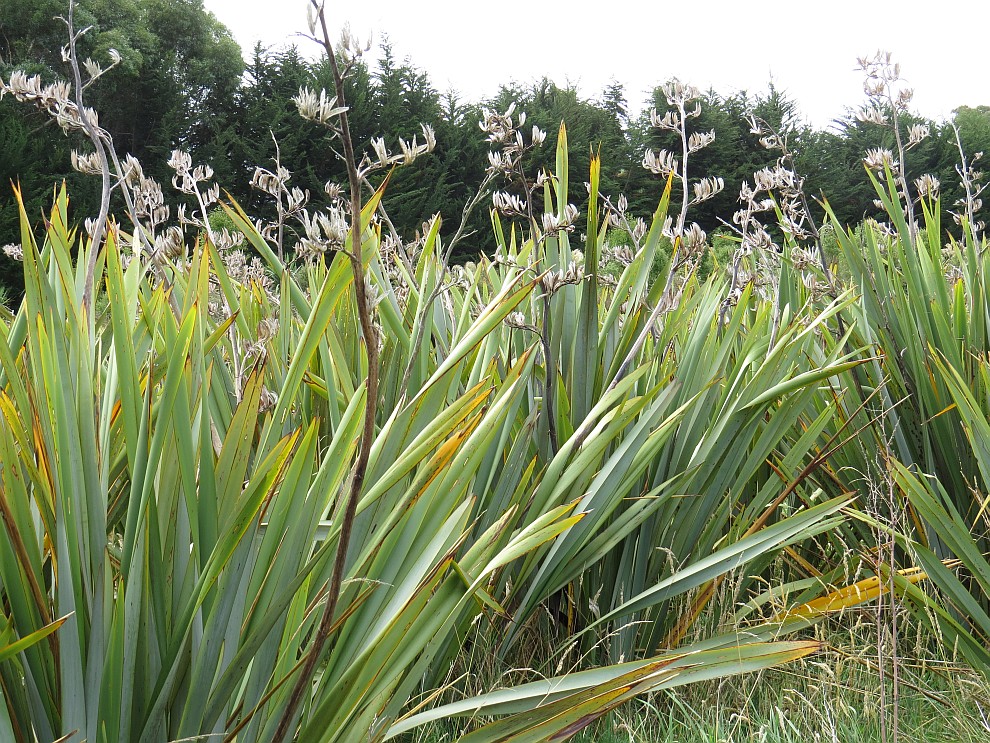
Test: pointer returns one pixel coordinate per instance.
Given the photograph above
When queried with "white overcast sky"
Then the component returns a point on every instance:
(808, 49)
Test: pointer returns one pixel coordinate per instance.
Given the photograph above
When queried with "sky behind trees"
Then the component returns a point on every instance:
(807, 49)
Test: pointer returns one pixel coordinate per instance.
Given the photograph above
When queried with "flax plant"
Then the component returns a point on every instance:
(457, 507)
(920, 315)
(243, 505)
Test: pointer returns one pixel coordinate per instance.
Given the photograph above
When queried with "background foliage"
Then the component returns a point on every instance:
(183, 84)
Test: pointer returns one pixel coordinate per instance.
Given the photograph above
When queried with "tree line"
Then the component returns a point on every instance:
(183, 83)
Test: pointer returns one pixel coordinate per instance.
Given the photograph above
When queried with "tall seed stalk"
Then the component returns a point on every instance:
(364, 309)
(888, 101)
(93, 133)
(688, 242)
(970, 179)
